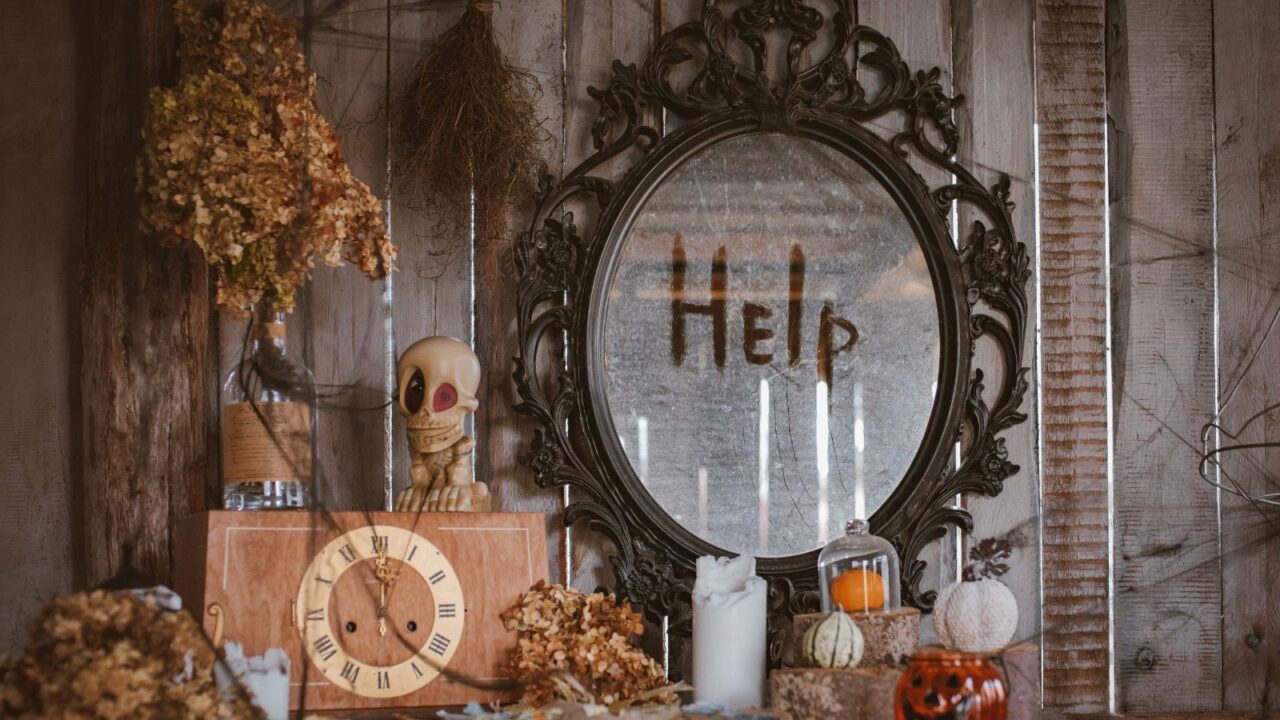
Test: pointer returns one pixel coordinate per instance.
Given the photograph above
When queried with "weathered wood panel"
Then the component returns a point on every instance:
(597, 32)
(432, 293)
(994, 70)
(1247, 69)
(1168, 595)
(144, 319)
(41, 230)
(531, 33)
(347, 314)
(1071, 112)
(922, 30)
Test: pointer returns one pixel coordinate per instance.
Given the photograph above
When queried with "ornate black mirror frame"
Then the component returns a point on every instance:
(563, 277)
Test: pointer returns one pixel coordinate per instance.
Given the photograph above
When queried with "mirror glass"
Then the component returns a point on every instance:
(771, 344)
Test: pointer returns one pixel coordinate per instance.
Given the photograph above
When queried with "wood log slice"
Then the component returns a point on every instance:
(846, 693)
(889, 637)
(1022, 680)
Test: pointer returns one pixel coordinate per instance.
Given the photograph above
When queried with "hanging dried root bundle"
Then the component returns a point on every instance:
(469, 119)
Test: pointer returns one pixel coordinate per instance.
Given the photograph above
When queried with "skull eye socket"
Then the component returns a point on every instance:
(445, 398)
(415, 392)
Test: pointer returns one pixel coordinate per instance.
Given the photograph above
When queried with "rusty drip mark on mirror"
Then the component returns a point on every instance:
(715, 309)
(795, 305)
(826, 354)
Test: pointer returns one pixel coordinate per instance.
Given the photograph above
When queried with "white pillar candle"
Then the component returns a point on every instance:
(265, 677)
(729, 639)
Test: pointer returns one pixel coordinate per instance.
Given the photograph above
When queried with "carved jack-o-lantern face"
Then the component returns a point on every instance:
(438, 379)
(947, 686)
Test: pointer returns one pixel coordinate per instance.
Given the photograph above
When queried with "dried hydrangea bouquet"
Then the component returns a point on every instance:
(577, 646)
(238, 162)
(112, 655)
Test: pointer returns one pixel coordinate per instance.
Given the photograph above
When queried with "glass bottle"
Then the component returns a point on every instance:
(859, 572)
(268, 422)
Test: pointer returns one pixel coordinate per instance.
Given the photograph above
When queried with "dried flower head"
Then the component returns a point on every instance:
(237, 161)
(469, 124)
(108, 655)
(988, 559)
(574, 646)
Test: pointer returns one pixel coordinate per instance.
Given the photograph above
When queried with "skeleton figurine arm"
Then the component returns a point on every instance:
(442, 482)
(438, 379)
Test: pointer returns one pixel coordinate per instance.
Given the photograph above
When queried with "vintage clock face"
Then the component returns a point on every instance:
(380, 611)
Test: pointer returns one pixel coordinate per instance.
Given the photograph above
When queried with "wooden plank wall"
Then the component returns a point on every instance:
(993, 66)
(1168, 590)
(1070, 111)
(41, 220)
(922, 30)
(143, 319)
(597, 32)
(1247, 141)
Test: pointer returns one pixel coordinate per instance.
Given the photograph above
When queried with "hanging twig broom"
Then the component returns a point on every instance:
(469, 123)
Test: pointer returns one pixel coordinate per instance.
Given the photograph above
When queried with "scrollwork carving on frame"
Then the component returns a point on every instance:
(860, 85)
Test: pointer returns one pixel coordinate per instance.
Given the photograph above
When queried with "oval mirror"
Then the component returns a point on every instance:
(771, 343)
(743, 327)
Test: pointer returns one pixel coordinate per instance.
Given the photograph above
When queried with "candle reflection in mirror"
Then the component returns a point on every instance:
(702, 500)
(763, 532)
(859, 448)
(822, 438)
(642, 447)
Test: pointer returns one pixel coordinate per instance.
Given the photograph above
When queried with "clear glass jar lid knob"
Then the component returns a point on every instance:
(857, 526)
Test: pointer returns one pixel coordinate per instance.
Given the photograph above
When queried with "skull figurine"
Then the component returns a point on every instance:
(437, 379)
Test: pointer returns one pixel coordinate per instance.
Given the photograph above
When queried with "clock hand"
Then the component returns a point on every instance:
(382, 609)
(386, 578)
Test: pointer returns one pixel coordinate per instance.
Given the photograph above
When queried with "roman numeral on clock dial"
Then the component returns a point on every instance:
(350, 671)
(348, 553)
(384, 680)
(439, 644)
(325, 647)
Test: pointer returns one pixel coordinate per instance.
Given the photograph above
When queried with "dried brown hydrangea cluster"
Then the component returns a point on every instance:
(562, 630)
(107, 655)
(237, 160)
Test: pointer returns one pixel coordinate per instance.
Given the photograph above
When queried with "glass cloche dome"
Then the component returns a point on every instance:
(859, 572)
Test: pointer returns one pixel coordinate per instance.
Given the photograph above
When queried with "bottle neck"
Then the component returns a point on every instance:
(268, 331)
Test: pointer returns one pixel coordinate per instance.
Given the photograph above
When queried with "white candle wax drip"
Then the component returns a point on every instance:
(729, 604)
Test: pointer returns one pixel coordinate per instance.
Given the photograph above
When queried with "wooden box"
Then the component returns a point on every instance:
(245, 575)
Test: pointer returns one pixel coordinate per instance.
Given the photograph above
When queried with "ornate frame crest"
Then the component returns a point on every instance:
(980, 286)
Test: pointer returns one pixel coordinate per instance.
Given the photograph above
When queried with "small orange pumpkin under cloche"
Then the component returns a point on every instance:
(858, 590)
(858, 572)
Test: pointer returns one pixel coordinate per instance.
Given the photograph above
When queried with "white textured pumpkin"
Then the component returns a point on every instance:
(833, 642)
(976, 616)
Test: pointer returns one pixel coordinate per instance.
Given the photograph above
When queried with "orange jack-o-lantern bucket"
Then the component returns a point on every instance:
(942, 684)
